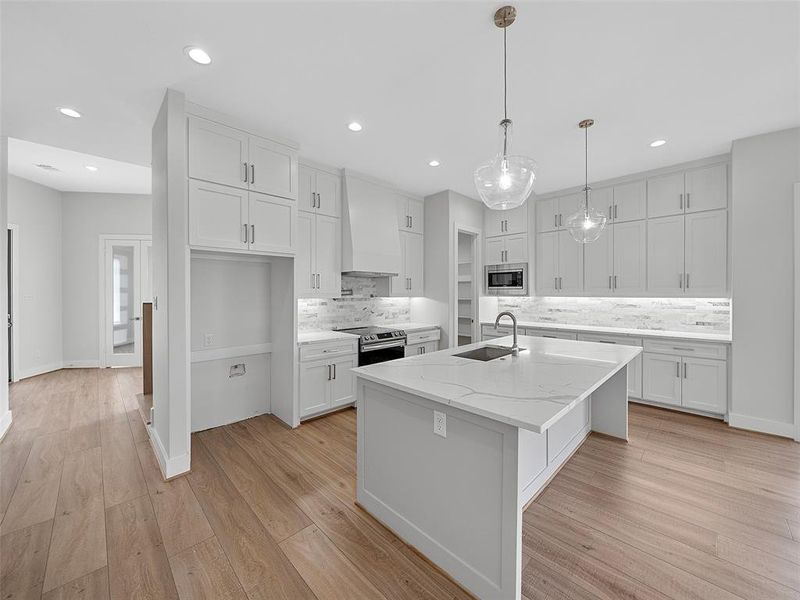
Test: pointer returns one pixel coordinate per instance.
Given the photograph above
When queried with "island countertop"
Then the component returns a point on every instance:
(531, 391)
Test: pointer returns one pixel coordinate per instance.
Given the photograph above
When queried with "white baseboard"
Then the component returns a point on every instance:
(81, 364)
(39, 370)
(5, 423)
(170, 467)
(762, 425)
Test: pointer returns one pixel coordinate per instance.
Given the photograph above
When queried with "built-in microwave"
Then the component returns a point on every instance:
(507, 280)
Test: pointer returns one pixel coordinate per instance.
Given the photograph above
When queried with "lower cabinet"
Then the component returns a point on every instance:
(325, 378)
(634, 368)
(548, 333)
(424, 348)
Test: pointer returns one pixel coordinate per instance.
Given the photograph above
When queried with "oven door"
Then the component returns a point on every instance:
(502, 280)
(377, 353)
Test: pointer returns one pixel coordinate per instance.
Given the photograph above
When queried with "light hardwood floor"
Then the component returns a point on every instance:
(688, 509)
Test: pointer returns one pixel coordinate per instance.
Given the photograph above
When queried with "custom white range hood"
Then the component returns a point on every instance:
(370, 237)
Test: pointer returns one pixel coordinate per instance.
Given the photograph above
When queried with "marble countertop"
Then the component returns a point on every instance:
(314, 337)
(531, 391)
(409, 327)
(651, 333)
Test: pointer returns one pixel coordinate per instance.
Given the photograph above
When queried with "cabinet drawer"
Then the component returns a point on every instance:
(491, 330)
(419, 337)
(328, 350)
(679, 348)
(550, 333)
(610, 339)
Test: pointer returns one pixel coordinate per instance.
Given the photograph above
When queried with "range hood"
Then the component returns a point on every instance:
(370, 236)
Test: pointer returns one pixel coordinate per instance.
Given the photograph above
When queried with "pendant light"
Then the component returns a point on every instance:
(587, 224)
(505, 181)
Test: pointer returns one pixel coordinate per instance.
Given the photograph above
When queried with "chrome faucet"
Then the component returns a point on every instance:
(505, 313)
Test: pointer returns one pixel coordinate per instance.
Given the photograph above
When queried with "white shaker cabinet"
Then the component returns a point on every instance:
(552, 213)
(272, 222)
(707, 188)
(342, 386)
(506, 249)
(704, 384)
(665, 195)
(630, 258)
(706, 253)
(505, 222)
(546, 258)
(410, 214)
(325, 377)
(665, 255)
(218, 216)
(661, 375)
(320, 192)
(629, 202)
(598, 264)
(559, 264)
(410, 280)
(314, 389)
(318, 261)
(273, 168)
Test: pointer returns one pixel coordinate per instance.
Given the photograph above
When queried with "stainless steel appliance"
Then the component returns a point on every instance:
(507, 280)
(378, 344)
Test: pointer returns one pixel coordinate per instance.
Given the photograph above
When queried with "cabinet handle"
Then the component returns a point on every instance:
(610, 212)
(245, 172)
(334, 370)
(245, 233)
(684, 364)
(319, 205)
(616, 206)
(252, 234)
(688, 198)
(678, 369)
(252, 173)
(681, 200)
(555, 220)
(560, 220)
(313, 281)
(318, 278)
(329, 372)
(680, 280)
(313, 199)
(687, 279)
(609, 282)
(411, 221)
(615, 282)
(555, 283)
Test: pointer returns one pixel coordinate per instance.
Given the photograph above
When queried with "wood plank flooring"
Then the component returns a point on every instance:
(689, 509)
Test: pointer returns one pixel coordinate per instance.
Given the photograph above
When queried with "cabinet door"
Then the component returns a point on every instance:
(429, 347)
(570, 264)
(630, 257)
(665, 255)
(603, 200)
(273, 168)
(398, 284)
(401, 203)
(307, 186)
(272, 223)
(304, 270)
(630, 200)
(568, 205)
(329, 194)
(343, 387)
(516, 220)
(314, 386)
(413, 350)
(707, 188)
(415, 263)
(598, 264)
(707, 253)
(516, 248)
(661, 377)
(546, 258)
(328, 258)
(705, 385)
(665, 195)
(635, 377)
(495, 248)
(217, 153)
(217, 216)
(416, 215)
(493, 222)
(546, 215)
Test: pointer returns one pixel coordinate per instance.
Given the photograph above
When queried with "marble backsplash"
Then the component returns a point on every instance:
(363, 307)
(699, 315)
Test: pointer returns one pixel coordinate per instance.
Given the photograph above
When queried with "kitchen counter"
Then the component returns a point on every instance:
(314, 337)
(651, 333)
(450, 450)
(411, 327)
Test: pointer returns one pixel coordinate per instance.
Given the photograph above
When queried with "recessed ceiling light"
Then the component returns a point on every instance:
(657, 143)
(69, 112)
(355, 126)
(45, 167)
(91, 168)
(198, 55)
(434, 163)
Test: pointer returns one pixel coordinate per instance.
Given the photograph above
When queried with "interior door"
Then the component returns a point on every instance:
(126, 282)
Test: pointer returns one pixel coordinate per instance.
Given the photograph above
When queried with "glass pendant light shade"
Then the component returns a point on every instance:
(587, 224)
(506, 181)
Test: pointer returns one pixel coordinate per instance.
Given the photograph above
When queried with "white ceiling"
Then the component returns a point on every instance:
(111, 176)
(423, 77)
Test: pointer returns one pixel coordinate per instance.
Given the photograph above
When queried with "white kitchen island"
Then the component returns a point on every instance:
(509, 424)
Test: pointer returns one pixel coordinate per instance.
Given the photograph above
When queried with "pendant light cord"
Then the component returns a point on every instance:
(505, 75)
(586, 169)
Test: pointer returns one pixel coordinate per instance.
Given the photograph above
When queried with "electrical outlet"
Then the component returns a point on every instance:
(208, 340)
(440, 423)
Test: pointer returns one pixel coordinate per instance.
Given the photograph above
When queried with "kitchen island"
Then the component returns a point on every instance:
(451, 449)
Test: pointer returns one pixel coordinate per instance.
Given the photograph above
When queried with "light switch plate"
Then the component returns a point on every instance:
(440, 423)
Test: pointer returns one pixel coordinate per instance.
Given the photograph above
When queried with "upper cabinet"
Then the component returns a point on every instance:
(505, 222)
(559, 264)
(552, 213)
(410, 281)
(320, 192)
(318, 262)
(410, 214)
(629, 202)
(694, 190)
(229, 156)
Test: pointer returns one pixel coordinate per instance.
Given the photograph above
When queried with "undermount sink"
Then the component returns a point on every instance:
(485, 353)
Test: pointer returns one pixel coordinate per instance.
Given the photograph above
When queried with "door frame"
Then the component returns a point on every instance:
(101, 292)
(14, 308)
(797, 312)
(477, 278)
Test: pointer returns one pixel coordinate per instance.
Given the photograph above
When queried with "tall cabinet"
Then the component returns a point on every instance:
(318, 263)
(410, 280)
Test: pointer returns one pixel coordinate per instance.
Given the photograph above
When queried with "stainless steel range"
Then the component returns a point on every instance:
(378, 344)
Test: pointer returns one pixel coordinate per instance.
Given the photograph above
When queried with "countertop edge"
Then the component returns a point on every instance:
(599, 329)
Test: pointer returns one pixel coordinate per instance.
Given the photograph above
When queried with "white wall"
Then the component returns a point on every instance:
(37, 211)
(5, 412)
(84, 217)
(765, 167)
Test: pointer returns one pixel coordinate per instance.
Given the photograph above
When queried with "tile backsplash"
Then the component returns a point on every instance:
(363, 307)
(699, 315)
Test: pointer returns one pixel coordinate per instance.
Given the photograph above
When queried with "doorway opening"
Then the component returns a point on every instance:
(12, 299)
(125, 284)
(467, 285)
